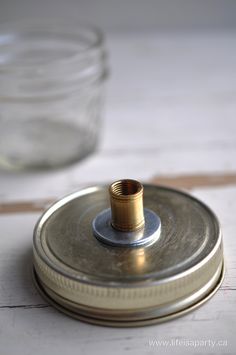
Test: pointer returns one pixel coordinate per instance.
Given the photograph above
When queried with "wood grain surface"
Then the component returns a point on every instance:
(186, 182)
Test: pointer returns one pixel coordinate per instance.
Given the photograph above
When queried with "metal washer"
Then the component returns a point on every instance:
(104, 231)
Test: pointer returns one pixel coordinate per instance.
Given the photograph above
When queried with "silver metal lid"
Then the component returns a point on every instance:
(123, 286)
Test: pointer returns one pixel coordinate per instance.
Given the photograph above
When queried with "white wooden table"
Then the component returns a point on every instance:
(170, 118)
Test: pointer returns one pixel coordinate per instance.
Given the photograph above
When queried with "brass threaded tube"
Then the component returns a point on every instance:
(126, 197)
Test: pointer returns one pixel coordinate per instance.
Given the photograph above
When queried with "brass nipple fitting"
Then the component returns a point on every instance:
(126, 198)
(127, 223)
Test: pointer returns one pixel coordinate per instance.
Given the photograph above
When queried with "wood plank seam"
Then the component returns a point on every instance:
(187, 182)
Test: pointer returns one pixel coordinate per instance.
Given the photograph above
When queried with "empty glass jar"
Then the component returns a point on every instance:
(51, 93)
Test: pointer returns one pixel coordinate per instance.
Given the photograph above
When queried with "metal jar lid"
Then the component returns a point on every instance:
(127, 255)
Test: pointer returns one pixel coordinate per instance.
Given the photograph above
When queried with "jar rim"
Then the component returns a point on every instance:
(56, 26)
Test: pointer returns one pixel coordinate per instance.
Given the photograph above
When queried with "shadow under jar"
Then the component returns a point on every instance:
(51, 93)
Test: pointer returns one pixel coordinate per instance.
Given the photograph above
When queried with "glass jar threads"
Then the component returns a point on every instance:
(51, 93)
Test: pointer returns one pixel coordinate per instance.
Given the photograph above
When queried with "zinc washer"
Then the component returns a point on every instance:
(120, 286)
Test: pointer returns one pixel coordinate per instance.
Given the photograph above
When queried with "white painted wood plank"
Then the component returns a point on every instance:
(139, 164)
(46, 331)
(183, 66)
(170, 109)
(16, 288)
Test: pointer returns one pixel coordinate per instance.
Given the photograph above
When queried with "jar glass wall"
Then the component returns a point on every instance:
(51, 93)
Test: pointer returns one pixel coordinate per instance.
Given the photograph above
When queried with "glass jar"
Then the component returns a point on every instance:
(51, 93)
